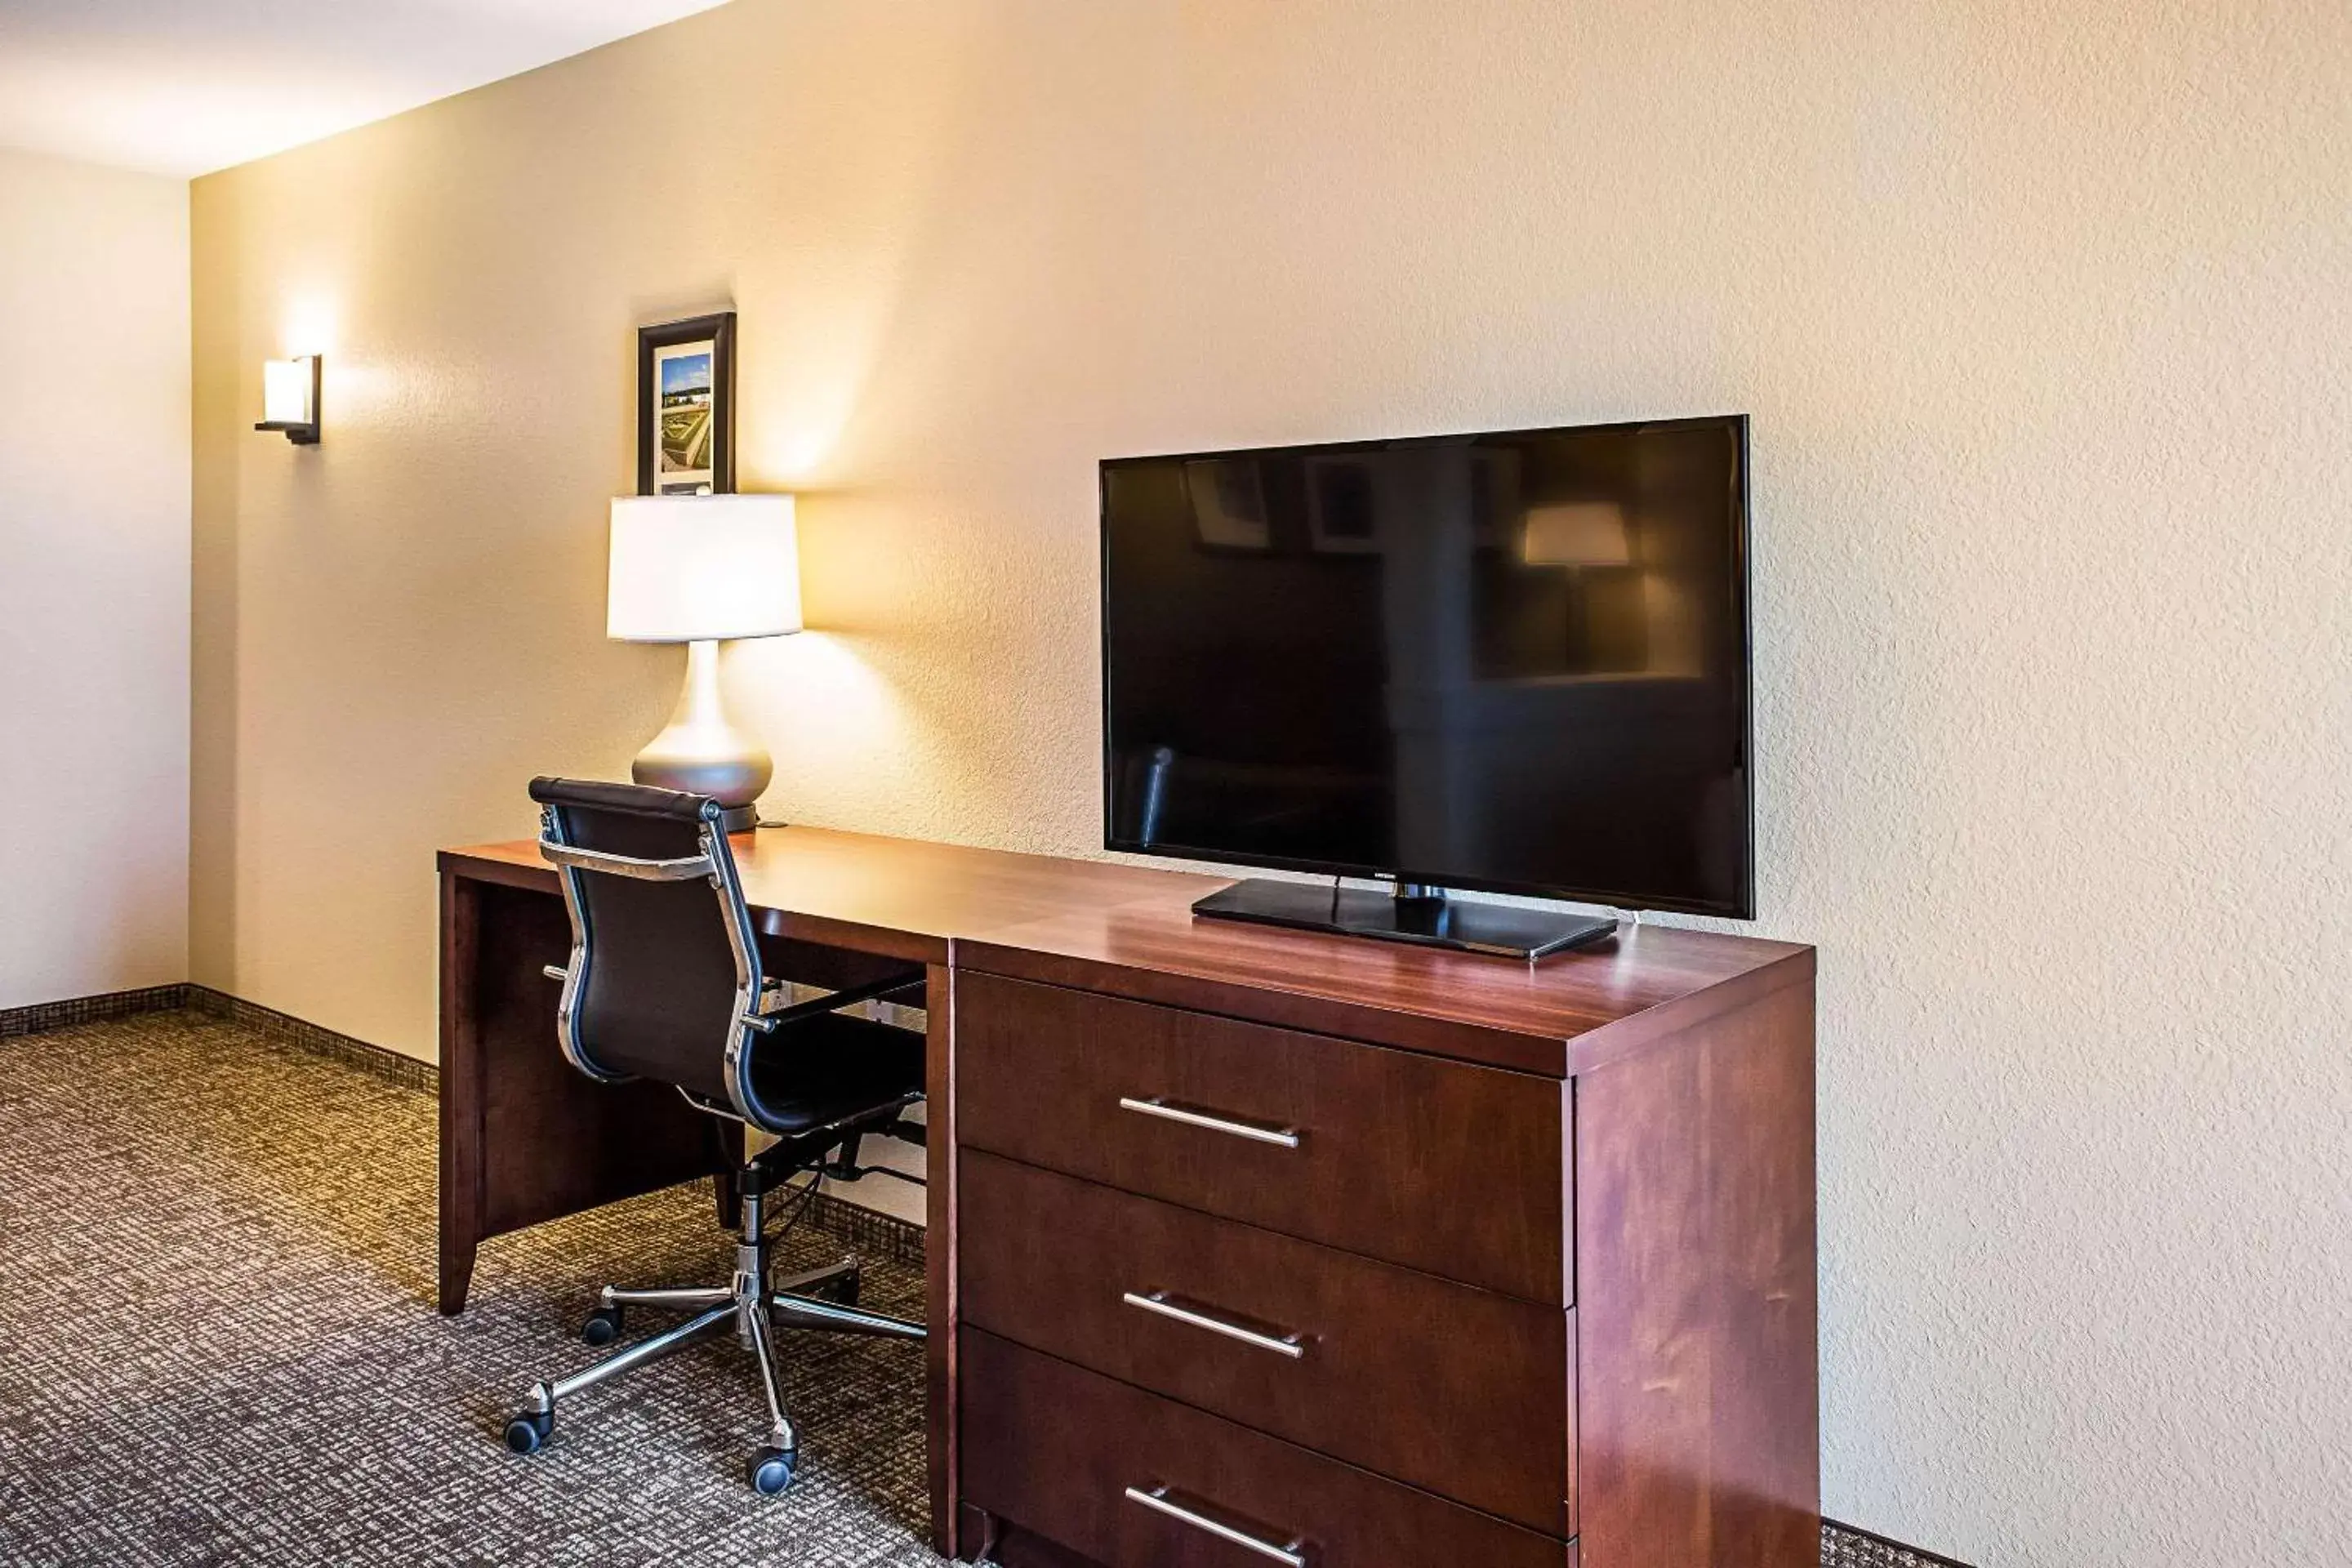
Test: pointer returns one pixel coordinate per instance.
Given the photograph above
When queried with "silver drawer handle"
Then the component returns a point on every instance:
(1257, 1132)
(1292, 1345)
(1157, 1498)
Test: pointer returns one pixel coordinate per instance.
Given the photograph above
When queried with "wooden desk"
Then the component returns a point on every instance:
(1617, 1143)
(525, 1138)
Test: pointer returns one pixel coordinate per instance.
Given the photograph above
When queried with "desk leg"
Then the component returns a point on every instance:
(456, 1273)
(525, 1137)
(461, 1090)
(940, 1256)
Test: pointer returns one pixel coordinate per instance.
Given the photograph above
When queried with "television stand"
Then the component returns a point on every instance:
(1417, 912)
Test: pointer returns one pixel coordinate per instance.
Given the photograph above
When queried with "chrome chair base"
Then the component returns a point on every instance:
(753, 1305)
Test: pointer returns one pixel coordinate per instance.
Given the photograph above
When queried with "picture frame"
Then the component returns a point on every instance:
(1228, 496)
(686, 406)
(1340, 514)
(1495, 501)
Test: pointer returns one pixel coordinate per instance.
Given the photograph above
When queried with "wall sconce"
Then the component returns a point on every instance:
(289, 398)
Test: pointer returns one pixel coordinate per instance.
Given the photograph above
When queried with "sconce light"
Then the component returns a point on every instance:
(289, 398)
(1578, 533)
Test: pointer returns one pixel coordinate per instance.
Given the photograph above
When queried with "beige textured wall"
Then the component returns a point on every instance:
(93, 580)
(2042, 313)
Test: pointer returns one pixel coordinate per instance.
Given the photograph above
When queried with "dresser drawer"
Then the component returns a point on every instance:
(1062, 1451)
(1457, 1389)
(1437, 1164)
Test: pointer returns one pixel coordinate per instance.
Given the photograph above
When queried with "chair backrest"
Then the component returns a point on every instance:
(665, 963)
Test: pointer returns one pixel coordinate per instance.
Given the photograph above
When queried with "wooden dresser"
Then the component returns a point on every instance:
(1281, 1248)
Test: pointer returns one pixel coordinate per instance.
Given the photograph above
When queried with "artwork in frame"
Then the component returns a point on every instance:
(1341, 518)
(686, 406)
(1228, 504)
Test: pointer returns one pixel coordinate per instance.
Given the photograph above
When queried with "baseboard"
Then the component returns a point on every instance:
(284, 1030)
(1844, 1546)
(884, 1234)
(40, 1015)
(870, 1230)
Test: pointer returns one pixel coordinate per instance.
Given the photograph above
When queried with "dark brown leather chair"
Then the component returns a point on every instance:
(665, 984)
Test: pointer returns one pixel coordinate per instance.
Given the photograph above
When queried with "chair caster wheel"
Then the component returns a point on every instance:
(843, 1290)
(527, 1431)
(602, 1327)
(771, 1470)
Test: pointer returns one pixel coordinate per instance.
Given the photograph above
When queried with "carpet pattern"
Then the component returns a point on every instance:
(217, 1342)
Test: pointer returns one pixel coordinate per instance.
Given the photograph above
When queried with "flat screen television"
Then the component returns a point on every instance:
(1514, 662)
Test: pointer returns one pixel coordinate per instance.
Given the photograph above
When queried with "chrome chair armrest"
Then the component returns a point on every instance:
(680, 870)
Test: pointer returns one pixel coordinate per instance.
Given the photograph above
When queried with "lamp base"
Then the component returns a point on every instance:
(739, 819)
(701, 752)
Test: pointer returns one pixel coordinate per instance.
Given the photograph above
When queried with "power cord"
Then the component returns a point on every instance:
(799, 1210)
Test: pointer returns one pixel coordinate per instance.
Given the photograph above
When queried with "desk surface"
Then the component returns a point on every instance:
(1130, 930)
(899, 898)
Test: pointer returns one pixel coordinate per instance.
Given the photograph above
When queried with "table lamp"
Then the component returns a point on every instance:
(1577, 534)
(699, 570)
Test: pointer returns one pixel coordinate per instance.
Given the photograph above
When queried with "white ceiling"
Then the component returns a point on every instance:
(184, 87)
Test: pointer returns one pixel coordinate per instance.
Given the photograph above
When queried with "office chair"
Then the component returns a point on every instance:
(665, 984)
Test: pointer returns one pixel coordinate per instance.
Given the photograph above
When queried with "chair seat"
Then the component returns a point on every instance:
(829, 1070)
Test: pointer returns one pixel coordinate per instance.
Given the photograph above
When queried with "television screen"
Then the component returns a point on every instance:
(1514, 662)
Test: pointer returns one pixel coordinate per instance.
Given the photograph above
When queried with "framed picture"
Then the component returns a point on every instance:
(686, 406)
(1494, 496)
(1340, 512)
(1228, 503)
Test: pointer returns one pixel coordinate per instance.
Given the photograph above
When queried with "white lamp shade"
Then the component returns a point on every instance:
(286, 391)
(691, 568)
(1578, 533)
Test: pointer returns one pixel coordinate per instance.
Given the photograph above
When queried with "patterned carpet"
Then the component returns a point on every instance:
(217, 1344)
